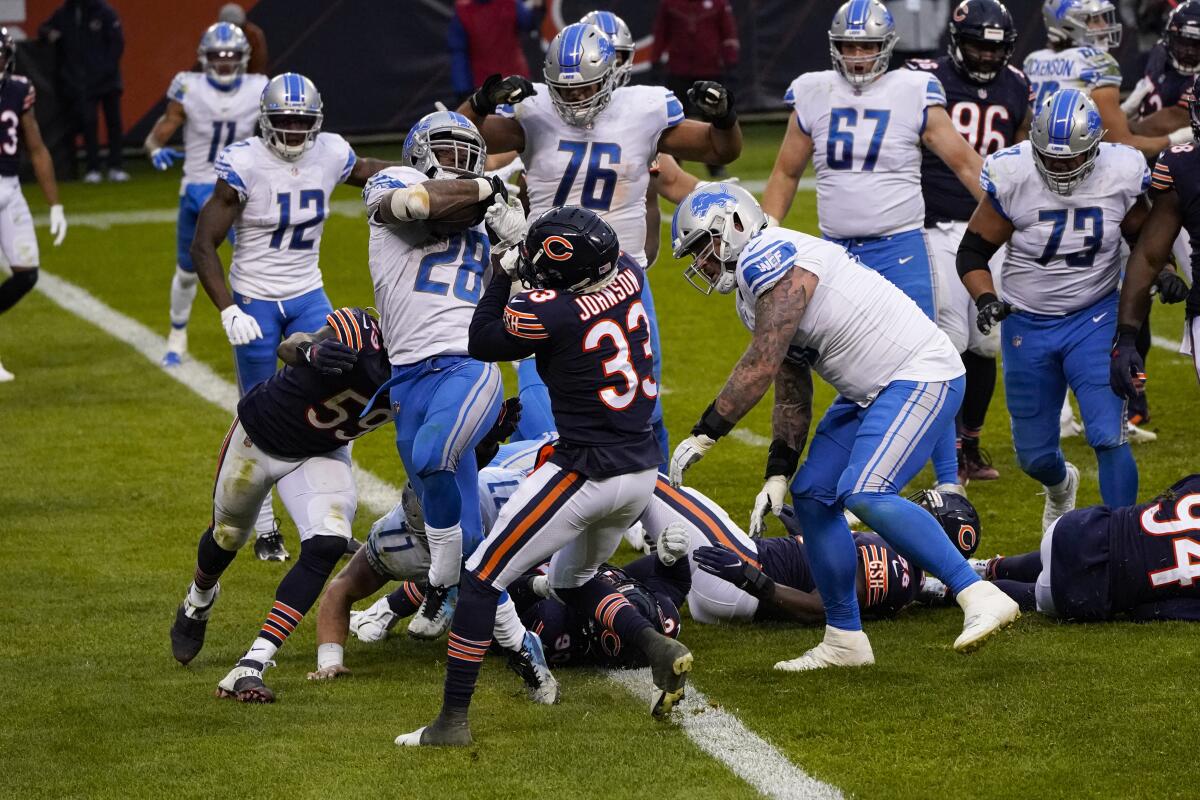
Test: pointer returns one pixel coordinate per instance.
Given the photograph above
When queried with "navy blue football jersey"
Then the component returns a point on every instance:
(298, 412)
(16, 97)
(593, 352)
(988, 117)
(1142, 560)
(1178, 170)
(1169, 85)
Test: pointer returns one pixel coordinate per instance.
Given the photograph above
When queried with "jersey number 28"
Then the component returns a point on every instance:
(618, 398)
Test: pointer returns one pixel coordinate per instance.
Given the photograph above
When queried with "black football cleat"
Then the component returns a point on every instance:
(670, 663)
(187, 632)
(269, 547)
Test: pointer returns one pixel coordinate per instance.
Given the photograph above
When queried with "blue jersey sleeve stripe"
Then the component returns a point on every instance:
(674, 109)
(800, 124)
(351, 160)
(789, 96)
(758, 280)
(227, 173)
(934, 93)
(505, 110)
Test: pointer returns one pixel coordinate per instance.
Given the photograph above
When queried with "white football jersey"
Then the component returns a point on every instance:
(859, 332)
(866, 149)
(1083, 68)
(284, 204)
(215, 119)
(426, 287)
(603, 167)
(1065, 251)
(660, 514)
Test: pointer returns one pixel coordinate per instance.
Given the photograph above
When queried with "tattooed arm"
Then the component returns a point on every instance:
(792, 415)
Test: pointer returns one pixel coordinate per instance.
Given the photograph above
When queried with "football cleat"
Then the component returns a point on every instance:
(933, 592)
(670, 662)
(977, 464)
(987, 610)
(5, 375)
(434, 616)
(244, 683)
(441, 732)
(118, 176)
(191, 622)
(983, 567)
(530, 663)
(373, 624)
(1138, 435)
(93, 176)
(269, 546)
(1061, 501)
(839, 648)
(176, 347)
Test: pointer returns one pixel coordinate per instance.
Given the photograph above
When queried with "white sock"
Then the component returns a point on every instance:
(266, 518)
(198, 598)
(445, 554)
(262, 651)
(1060, 488)
(509, 633)
(183, 293)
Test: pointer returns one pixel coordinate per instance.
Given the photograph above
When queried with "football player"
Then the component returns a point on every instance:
(988, 102)
(1101, 562)
(812, 306)
(428, 272)
(584, 319)
(863, 128)
(215, 108)
(587, 141)
(1061, 201)
(273, 191)
(1174, 185)
(291, 432)
(622, 41)
(18, 241)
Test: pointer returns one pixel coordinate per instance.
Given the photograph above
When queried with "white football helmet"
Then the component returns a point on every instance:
(716, 220)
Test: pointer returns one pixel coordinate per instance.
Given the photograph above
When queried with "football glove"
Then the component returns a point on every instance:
(771, 498)
(991, 310)
(688, 452)
(506, 423)
(673, 544)
(506, 222)
(1132, 103)
(328, 356)
(240, 327)
(715, 102)
(163, 157)
(1126, 370)
(497, 91)
(729, 567)
(1181, 136)
(58, 224)
(1171, 287)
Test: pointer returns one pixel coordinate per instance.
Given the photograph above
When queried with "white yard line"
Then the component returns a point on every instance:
(715, 731)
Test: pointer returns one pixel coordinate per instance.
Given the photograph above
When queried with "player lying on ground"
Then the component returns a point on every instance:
(813, 307)
(1097, 563)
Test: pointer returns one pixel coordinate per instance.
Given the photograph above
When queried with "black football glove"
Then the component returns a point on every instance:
(1171, 287)
(991, 311)
(1126, 370)
(715, 102)
(328, 356)
(505, 424)
(729, 567)
(497, 91)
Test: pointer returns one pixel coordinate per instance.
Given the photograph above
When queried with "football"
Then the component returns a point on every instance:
(459, 221)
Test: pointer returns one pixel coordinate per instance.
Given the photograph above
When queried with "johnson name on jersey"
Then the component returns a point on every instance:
(859, 332)
(1083, 68)
(1178, 170)
(1169, 85)
(284, 204)
(1065, 250)
(16, 97)
(215, 119)
(866, 144)
(426, 287)
(602, 167)
(988, 117)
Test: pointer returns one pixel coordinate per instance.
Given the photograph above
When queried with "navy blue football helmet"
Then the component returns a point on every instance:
(568, 248)
(1181, 35)
(956, 515)
(986, 29)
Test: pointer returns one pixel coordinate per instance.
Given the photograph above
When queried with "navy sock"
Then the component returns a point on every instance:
(1118, 475)
(16, 287)
(470, 637)
(981, 385)
(915, 534)
(1023, 567)
(601, 601)
(211, 561)
(833, 559)
(1021, 591)
(406, 599)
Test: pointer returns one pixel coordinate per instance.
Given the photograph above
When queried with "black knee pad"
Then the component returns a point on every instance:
(321, 553)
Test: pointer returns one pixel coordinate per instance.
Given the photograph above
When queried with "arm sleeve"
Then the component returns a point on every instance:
(376, 187)
(30, 97)
(491, 336)
(227, 169)
(794, 97)
(762, 270)
(460, 63)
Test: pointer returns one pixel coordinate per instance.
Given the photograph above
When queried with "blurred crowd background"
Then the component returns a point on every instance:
(101, 68)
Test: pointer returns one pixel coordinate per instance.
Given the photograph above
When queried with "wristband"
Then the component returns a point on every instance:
(728, 121)
(1124, 331)
(712, 424)
(329, 655)
(781, 459)
(758, 583)
(984, 299)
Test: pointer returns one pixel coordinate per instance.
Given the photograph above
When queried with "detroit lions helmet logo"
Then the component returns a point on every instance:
(720, 196)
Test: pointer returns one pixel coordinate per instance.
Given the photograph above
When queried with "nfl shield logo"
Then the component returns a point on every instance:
(1017, 341)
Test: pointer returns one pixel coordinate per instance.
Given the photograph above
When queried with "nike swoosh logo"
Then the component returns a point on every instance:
(906, 260)
(1102, 316)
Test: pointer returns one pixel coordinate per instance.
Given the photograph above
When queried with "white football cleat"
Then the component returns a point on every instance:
(373, 623)
(93, 177)
(1061, 499)
(1137, 435)
(436, 613)
(244, 683)
(987, 610)
(839, 648)
(176, 347)
(5, 375)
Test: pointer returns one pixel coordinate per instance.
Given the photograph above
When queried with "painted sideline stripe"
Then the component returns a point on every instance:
(749, 437)
(715, 731)
(373, 492)
(726, 739)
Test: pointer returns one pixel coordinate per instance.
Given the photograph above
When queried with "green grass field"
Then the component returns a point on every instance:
(108, 466)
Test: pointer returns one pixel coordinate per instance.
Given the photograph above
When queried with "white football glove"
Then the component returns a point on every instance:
(58, 224)
(688, 452)
(673, 543)
(1134, 101)
(507, 221)
(509, 260)
(771, 497)
(1181, 136)
(240, 327)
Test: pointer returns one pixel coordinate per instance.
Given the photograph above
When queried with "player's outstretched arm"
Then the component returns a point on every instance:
(1149, 257)
(487, 338)
(948, 144)
(674, 182)
(364, 168)
(212, 226)
(500, 133)
(172, 119)
(436, 199)
(356, 581)
(794, 153)
(1162, 122)
(43, 170)
(790, 420)
(1116, 125)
